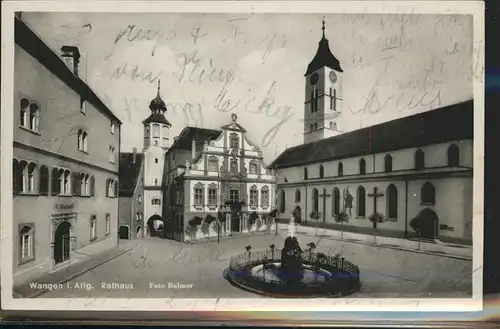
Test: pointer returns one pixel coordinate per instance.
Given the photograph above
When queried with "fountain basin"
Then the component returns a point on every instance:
(321, 275)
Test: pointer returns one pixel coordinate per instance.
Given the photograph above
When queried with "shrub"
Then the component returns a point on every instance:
(209, 219)
(376, 218)
(274, 213)
(342, 217)
(195, 221)
(315, 215)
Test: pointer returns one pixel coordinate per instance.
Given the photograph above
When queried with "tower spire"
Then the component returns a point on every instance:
(158, 87)
(323, 27)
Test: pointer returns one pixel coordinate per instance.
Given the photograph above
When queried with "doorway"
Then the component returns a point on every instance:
(429, 224)
(235, 222)
(123, 232)
(62, 242)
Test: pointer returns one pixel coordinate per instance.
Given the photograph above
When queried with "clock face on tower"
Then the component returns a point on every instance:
(333, 76)
(314, 78)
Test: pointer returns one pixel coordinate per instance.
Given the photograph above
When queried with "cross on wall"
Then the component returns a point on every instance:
(375, 196)
(324, 196)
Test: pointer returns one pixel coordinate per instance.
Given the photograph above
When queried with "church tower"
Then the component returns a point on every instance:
(323, 95)
(156, 143)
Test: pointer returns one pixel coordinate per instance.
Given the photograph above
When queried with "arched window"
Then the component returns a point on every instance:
(24, 112)
(264, 196)
(336, 201)
(340, 169)
(213, 163)
(44, 180)
(315, 198)
(253, 167)
(34, 117)
(282, 201)
(321, 171)
(86, 185)
(56, 185)
(419, 159)
(31, 177)
(16, 176)
(361, 196)
(85, 139)
(92, 186)
(80, 140)
(254, 196)
(388, 163)
(362, 166)
(453, 156)
(392, 202)
(428, 194)
(297, 195)
(26, 246)
(67, 188)
(156, 130)
(234, 165)
(23, 167)
(234, 141)
(305, 173)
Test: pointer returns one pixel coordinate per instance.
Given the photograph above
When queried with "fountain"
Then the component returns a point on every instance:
(292, 272)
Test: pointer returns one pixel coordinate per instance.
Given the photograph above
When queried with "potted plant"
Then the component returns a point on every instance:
(193, 224)
(376, 218)
(209, 219)
(342, 217)
(252, 218)
(315, 215)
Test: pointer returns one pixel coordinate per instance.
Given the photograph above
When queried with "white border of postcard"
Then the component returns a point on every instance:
(475, 8)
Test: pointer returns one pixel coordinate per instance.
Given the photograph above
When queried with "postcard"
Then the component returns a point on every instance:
(217, 156)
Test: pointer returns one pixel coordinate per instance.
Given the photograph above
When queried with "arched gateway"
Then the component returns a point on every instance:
(156, 225)
(62, 242)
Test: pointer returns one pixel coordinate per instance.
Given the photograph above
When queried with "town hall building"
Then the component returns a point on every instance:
(415, 171)
(179, 189)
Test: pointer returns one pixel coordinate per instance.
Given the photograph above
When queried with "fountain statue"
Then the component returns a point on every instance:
(292, 227)
(291, 270)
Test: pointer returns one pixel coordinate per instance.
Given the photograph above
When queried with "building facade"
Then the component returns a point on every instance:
(418, 167)
(65, 166)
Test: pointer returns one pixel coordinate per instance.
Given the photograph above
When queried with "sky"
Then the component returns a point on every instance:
(213, 65)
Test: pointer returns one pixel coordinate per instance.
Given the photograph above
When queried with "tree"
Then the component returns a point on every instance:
(342, 217)
(376, 218)
(315, 215)
(251, 219)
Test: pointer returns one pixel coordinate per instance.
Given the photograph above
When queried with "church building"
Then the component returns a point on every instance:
(178, 190)
(415, 171)
(65, 163)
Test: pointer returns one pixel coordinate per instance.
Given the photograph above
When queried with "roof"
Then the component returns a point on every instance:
(129, 173)
(185, 139)
(33, 45)
(323, 57)
(157, 117)
(441, 125)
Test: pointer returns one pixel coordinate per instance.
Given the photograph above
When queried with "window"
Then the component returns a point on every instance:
(83, 106)
(156, 201)
(156, 160)
(297, 195)
(27, 177)
(234, 165)
(340, 169)
(316, 96)
(93, 228)
(198, 195)
(108, 224)
(156, 130)
(453, 156)
(30, 115)
(428, 194)
(24, 112)
(254, 196)
(312, 100)
(111, 188)
(139, 199)
(388, 163)
(331, 99)
(253, 167)
(212, 195)
(165, 132)
(392, 202)
(234, 195)
(82, 140)
(16, 177)
(213, 163)
(315, 197)
(26, 246)
(92, 185)
(85, 184)
(282, 201)
(64, 181)
(321, 171)
(336, 201)
(156, 181)
(419, 160)
(362, 166)
(44, 180)
(112, 127)
(264, 196)
(361, 194)
(305, 173)
(234, 141)
(112, 154)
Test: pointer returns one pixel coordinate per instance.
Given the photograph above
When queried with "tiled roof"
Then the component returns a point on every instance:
(445, 124)
(185, 138)
(157, 117)
(33, 45)
(129, 173)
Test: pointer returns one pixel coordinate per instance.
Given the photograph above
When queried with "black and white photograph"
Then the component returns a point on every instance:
(242, 154)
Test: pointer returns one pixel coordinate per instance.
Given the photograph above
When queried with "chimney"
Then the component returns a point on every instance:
(134, 155)
(71, 56)
(193, 149)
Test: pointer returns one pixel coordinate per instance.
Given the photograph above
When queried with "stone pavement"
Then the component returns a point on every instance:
(41, 284)
(444, 249)
(157, 268)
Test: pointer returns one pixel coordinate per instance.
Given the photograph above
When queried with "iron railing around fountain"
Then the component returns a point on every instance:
(309, 258)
